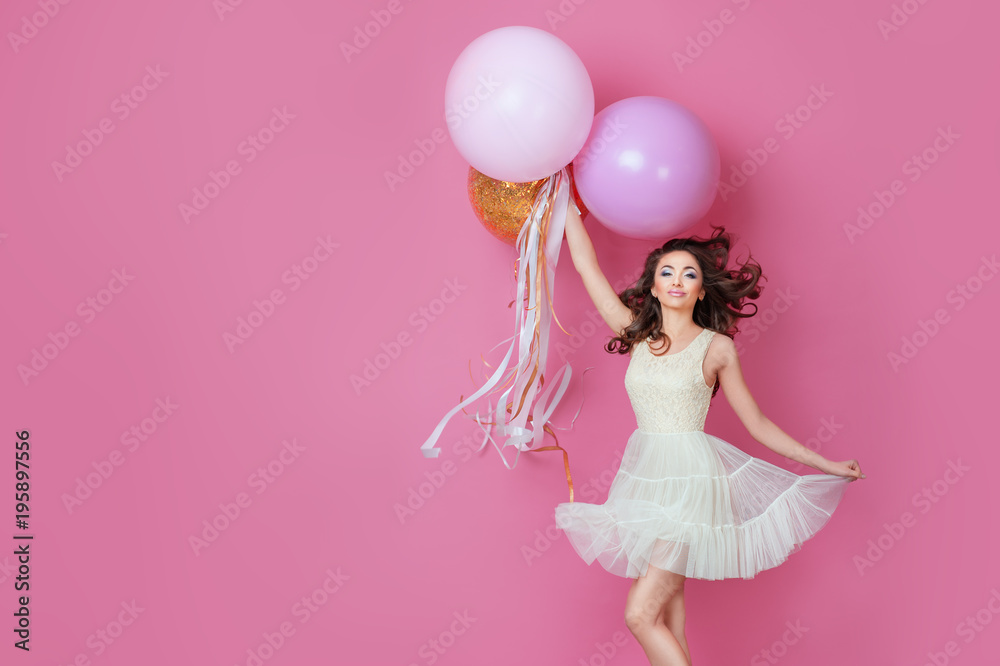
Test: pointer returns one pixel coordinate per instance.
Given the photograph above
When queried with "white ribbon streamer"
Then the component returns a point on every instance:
(531, 288)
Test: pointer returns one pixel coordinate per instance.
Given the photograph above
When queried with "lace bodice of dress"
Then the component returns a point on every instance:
(668, 393)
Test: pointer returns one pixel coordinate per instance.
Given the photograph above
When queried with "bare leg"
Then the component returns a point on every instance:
(673, 618)
(647, 598)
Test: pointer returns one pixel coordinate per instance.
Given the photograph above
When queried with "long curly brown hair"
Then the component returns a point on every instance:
(725, 292)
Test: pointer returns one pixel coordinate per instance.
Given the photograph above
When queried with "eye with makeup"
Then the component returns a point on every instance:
(690, 274)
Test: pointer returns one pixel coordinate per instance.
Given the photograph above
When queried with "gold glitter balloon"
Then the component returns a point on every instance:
(503, 206)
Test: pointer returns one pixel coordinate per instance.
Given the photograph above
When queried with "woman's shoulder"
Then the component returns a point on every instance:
(720, 346)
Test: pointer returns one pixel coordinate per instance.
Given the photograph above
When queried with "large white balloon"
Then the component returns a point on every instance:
(519, 104)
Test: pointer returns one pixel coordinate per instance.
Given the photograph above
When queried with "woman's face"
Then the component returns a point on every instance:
(678, 280)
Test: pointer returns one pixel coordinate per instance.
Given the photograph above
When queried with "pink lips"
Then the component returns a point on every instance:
(676, 293)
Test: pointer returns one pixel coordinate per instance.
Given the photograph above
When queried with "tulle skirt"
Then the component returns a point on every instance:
(696, 505)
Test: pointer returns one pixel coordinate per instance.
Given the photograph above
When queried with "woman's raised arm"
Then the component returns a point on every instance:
(611, 308)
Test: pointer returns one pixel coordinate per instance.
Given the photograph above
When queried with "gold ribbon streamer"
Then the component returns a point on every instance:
(547, 428)
(569, 475)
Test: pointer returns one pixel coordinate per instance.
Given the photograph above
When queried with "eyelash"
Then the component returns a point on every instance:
(689, 275)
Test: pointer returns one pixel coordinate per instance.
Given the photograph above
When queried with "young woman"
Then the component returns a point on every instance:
(685, 504)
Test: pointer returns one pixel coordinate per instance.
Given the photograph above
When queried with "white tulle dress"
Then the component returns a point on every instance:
(689, 502)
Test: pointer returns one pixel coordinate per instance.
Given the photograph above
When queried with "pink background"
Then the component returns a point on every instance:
(327, 513)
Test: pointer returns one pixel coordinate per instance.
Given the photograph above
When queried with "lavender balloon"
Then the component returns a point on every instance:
(649, 168)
